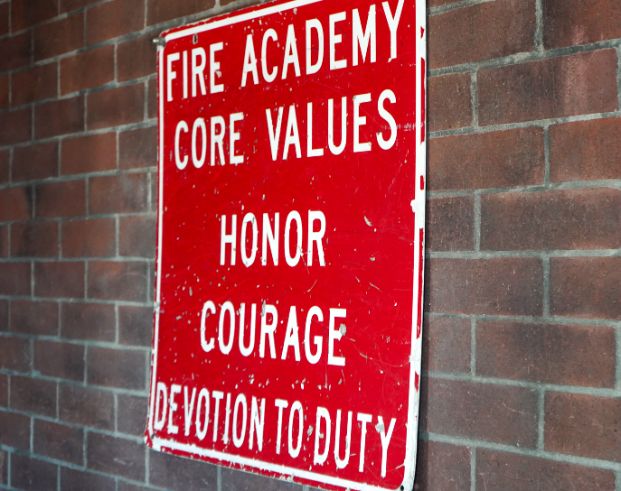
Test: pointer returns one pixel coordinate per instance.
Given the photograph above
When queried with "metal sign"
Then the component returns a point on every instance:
(289, 279)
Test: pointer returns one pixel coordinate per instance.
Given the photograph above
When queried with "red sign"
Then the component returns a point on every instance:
(287, 330)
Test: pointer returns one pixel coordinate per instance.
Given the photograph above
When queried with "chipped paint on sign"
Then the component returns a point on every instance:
(287, 330)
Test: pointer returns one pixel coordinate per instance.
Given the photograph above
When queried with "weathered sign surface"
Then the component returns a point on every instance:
(290, 241)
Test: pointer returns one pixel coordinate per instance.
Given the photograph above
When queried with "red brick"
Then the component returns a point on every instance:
(15, 125)
(63, 360)
(481, 411)
(112, 367)
(573, 22)
(59, 37)
(89, 238)
(450, 224)
(163, 10)
(446, 344)
(32, 474)
(4, 392)
(556, 354)
(4, 87)
(59, 279)
(34, 317)
(35, 83)
(4, 29)
(15, 354)
(586, 287)
(442, 467)
(61, 199)
(87, 69)
(233, 480)
(111, 280)
(511, 472)
(137, 236)
(566, 219)
(150, 282)
(33, 395)
(126, 486)
(14, 278)
(4, 456)
(138, 148)
(5, 244)
(586, 150)
(34, 239)
(88, 321)
(583, 425)
(112, 107)
(35, 162)
(4, 315)
(76, 480)
(124, 193)
(511, 286)
(19, 47)
(132, 414)
(116, 456)
(58, 441)
(173, 472)
(86, 406)
(112, 19)
(550, 88)
(15, 203)
(15, 430)
(152, 98)
(68, 5)
(449, 102)
(480, 32)
(26, 13)
(59, 117)
(135, 325)
(155, 192)
(4, 166)
(91, 153)
(487, 160)
(136, 58)
(4, 241)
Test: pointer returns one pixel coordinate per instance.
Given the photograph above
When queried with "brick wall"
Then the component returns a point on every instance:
(523, 355)
(522, 363)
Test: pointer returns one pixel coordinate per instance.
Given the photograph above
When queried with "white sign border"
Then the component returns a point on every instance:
(418, 208)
